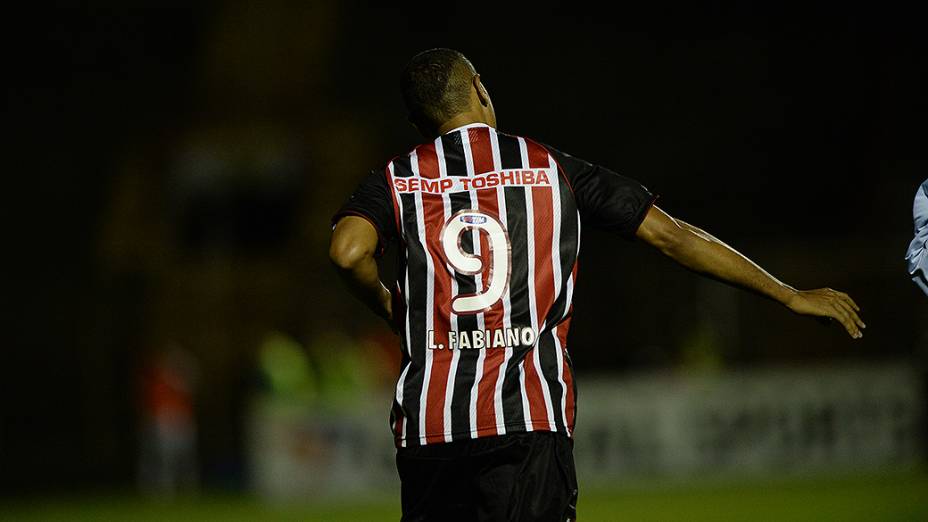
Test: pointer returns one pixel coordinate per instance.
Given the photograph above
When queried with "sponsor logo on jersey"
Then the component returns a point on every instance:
(502, 178)
(473, 220)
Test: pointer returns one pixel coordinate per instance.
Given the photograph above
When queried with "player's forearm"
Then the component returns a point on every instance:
(701, 252)
(363, 281)
(354, 243)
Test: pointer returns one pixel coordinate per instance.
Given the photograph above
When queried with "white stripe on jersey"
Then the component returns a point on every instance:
(526, 409)
(399, 399)
(429, 300)
(507, 306)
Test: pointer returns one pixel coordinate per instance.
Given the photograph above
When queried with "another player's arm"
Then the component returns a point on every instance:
(352, 250)
(700, 252)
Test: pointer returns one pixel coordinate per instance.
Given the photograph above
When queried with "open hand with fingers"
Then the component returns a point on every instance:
(825, 302)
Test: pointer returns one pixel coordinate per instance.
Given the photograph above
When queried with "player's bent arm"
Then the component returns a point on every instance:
(700, 252)
(352, 249)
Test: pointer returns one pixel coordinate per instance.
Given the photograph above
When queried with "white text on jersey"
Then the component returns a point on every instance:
(478, 339)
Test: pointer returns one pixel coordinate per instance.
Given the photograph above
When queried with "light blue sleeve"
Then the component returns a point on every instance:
(917, 255)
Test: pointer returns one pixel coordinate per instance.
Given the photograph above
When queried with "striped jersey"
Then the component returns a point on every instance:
(488, 227)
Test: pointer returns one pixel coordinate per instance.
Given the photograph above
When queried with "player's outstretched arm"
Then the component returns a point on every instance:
(354, 243)
(700, 252)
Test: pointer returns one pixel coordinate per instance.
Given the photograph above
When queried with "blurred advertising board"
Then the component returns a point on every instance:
(764, 421)
(768, 421)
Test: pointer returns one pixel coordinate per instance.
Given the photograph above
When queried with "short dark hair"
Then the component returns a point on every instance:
(436, 85)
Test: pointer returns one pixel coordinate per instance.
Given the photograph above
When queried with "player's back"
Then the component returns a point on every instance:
(490, 231)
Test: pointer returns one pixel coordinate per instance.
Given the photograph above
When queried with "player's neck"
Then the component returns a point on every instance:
(465, 118)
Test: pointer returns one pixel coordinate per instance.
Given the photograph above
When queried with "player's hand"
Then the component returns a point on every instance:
(825, 302)
(386, 301)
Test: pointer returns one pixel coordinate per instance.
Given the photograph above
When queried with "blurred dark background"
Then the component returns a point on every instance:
(174, 170)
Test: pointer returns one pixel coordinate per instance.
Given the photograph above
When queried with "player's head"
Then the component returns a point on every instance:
(440, 85)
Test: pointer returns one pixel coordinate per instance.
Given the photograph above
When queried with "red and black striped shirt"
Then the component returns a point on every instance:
(489, 232)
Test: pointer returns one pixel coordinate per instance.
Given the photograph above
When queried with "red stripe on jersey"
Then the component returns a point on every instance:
(485, 252)
(434, 218)
(537, 155)
(428, 161)
(487, 202)
(544, 261)
(556, 162)
(480, 149)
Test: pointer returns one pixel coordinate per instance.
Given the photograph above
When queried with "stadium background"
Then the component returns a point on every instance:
(174, 169)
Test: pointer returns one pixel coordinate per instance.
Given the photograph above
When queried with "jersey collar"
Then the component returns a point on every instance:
(468, 126)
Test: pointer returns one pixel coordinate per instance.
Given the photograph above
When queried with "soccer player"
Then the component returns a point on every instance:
(917, 255)
(488, 226)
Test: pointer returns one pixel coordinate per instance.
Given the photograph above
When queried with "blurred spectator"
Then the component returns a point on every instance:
(917, 255)
(346, 369)
(284, 367)
(168, 457)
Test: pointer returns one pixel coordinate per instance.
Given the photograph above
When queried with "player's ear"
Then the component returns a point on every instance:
(482, 93)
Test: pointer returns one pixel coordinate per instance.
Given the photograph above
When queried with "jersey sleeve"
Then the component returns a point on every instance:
(372, 201)
(606, 200)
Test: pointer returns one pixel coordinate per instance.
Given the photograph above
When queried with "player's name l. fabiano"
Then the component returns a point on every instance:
(479, 339)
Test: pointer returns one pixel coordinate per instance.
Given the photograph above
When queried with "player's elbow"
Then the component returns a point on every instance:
(346, 254)
(670, 239)
(663, 232)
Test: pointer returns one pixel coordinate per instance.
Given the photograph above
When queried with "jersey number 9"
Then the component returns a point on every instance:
(470, 264)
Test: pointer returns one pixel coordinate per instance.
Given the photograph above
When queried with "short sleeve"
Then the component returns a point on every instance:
(372, 201)
(606, 200)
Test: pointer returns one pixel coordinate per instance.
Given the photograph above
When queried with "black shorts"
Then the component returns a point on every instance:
(526, 477)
